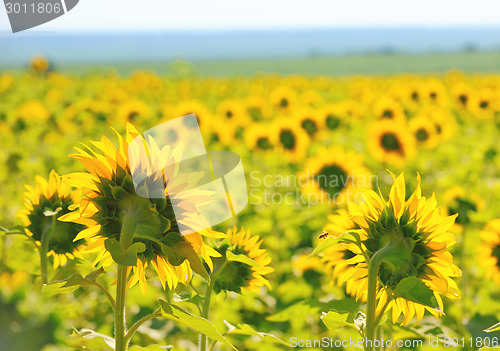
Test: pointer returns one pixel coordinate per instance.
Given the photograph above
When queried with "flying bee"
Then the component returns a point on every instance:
(324, 235)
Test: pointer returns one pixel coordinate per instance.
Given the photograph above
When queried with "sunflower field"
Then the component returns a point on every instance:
(372, 220)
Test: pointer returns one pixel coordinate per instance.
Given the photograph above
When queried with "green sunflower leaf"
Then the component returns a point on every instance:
(413, 289)
(192, 321)
(334, 320)
(240, 258)
(245, 329)
(350, 237)
(493, 328)
(185, 249)
(120, 256)
(150, 348)
(17, 229)
(87, 339)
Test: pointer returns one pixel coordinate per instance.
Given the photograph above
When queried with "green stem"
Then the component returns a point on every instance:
(136, 326)
(371, 325)
(105, 291)
(126, 239)
(120, 326)
(44, 248)
(205, 309)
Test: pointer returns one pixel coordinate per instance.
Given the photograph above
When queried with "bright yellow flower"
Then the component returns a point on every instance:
(109, 190)
(422, 230)
(489, 250)
(46, 199)
(336, 176)
(236, 275)
(391, 142)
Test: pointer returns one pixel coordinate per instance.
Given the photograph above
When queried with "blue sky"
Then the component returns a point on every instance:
(147, 15)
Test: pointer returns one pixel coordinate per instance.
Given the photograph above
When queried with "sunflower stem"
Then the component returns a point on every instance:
(205, 309)
(371, 320)
(44, 249)
(126, 239)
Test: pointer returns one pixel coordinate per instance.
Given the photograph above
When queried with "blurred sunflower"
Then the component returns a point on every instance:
(44, 203)
(290, 139)
(444, 122)
(185, 108)
(257, 138)
(462, 95)
(309, 120)
(424, 132)
(237, 275)
(283, 99)
(39, 64)
(311, 98)
(110, 197)
(461, 202)
(132, 111)
(219, 131)
(434, 91)
(331, 115)
(391, 142)
(390, 109)
(483, 104)
(233, 111)
(419, 233)
(336, 176)
(30, 112)
(489, 250)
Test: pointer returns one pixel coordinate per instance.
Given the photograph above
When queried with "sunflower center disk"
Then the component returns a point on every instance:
(332, 179)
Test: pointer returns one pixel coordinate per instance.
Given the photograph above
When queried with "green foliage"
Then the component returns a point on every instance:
(192, 321)
(413, 289)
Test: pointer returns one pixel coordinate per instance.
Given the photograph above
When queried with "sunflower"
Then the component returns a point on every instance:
(39, 64)
(311, 98)
(331, 115)
(185, 108)
(419, 232)
(489, 250)
(290, 139)
(218, 131)
(109, 194)
(483, 104)
(434, 92)
(462, 95)
(424, 132)
(44, 203)
(391, 142)
(309, 120)
(444, 122)
(257, 138)
(387, 108)
(233, 111)
(463, 203)
(237, 275)
(283, 99)
(335, 175)
(132, 111)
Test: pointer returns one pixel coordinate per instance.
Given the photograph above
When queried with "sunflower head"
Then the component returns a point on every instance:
(489, 250)
(243, 263)
(336, 176)
(391, 142)
(117, 211)
(412, 235)
(43, 204)
(462, 203)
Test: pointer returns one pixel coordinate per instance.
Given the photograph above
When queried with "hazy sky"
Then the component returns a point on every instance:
(122, 15)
